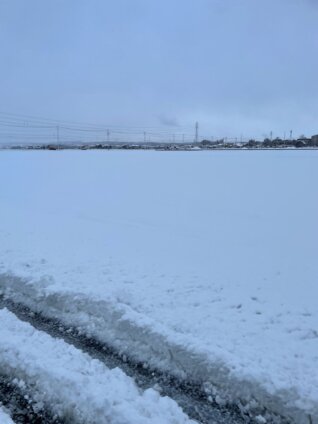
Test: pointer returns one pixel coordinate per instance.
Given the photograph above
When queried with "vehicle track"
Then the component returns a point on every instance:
(190, 396)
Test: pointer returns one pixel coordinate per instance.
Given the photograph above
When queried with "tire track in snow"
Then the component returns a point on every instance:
(189, 396)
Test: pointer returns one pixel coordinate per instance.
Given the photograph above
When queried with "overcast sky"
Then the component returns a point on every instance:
(239, 67)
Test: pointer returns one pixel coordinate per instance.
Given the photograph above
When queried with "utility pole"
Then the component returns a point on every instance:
(58, 134)
(196, 132)
(182, 138)
(108, 134)
(145, 136)
(271, 135)
(291, 134)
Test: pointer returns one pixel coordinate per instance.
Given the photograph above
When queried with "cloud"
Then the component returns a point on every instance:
(168, 121)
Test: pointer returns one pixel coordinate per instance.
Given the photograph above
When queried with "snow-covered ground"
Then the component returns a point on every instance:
(202, 264)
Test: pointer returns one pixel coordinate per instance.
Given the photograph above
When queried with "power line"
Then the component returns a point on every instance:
(27, 126)
(104, 127)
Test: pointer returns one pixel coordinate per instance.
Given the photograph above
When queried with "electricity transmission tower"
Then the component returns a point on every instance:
(196, 139)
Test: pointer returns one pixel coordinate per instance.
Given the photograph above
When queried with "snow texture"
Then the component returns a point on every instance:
(76, 386)
(202, 264)
(4, 417)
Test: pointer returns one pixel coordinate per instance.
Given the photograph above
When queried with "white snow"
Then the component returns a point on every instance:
(75, 385)
(5, 417)
(201, 263)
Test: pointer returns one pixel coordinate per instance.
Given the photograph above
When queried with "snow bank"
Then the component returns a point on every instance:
(74, 385)
(4, 417)
(201, 264)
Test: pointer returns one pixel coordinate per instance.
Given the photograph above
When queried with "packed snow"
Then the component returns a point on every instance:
(5, 417)
(202, 264)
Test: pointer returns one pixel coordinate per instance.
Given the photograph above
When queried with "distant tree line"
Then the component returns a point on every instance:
(302, 141)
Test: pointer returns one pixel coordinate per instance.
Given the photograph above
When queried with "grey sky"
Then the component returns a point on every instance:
(237, 66)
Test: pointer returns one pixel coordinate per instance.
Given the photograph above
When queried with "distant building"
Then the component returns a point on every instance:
(304, 139)
(314, 140)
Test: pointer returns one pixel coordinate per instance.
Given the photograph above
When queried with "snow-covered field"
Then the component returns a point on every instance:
(200, 264)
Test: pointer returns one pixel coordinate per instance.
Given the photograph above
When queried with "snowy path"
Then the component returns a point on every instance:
(149, 345)
(74, 386)
(191, 397)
